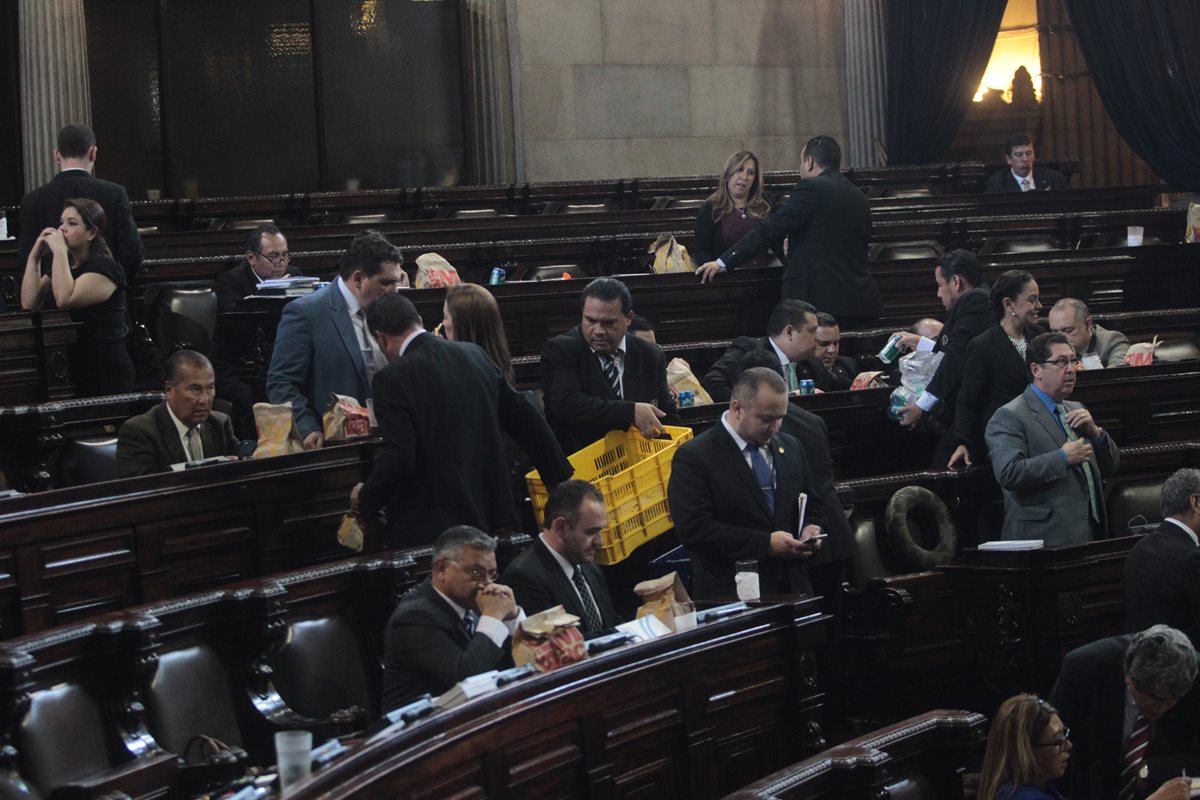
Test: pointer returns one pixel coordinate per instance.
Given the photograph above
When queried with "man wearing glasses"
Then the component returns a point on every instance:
(1049, 455)
(455, 624)
(266, 258)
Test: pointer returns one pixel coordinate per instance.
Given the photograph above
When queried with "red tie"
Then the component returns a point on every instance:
(1135, 751)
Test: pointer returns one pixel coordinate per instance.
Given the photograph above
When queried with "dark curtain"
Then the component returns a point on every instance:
(937, 51)
(1146, 67)
(12, 178)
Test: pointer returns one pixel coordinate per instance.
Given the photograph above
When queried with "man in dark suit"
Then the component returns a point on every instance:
(441, 408)
(322, 345)
(559, 568)
(181, 428)
(791, 336)
(963, 292)
(828, 224)
(1049, 455)
(1120, 697)
(41, 208)
(842, 369)
(1022, 175)
(455, 624)
(1162, 571)
(266, 258)
(733, 494)
(598, 378)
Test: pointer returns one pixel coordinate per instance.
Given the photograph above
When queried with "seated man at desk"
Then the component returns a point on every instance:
(1049, 455)
(266, 258)
(181, 428)
(559, 567)
(1098, 347)
(1022, 175)
(598, 378)
(455, 624)
(842, 369)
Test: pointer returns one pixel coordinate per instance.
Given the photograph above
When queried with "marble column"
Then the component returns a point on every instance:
(491, 150)
(866, 82)
(54, 79)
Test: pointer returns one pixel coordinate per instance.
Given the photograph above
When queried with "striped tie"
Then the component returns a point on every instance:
(1025, 187)
(1135, 752)
(591, 615)
(1060, 411)
(610, 372)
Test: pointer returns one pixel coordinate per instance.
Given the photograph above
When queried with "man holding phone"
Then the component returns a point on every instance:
(735, 494)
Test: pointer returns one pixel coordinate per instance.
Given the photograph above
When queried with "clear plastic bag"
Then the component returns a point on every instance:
(916, 370)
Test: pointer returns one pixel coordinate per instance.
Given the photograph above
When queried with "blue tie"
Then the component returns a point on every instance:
(762, 474)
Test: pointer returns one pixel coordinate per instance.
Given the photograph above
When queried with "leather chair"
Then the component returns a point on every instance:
(365, 219)
(1176, 350)
(900, 251)
(190, 696)
(62, 713)
(89, 460)
(246, 224)
(1019, 244)
(323, 669)
(1133, 503)
(183, 316)
(555, 271)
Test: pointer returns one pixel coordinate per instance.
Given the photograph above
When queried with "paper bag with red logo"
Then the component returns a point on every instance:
(548, 640)
(664, 598)
(435, 272)
(868, 380)
(345, 419)
(1141, 354)
(277, 433)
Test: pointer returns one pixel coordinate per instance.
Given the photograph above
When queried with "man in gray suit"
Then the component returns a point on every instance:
(323, 346)
(1097, 346)
(1049, 455)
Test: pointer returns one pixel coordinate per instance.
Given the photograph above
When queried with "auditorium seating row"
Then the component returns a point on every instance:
(696, 714)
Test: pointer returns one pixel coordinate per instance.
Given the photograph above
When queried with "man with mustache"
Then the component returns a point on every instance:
(1049, 455)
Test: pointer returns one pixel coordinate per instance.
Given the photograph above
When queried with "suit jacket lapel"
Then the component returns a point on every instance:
(345, 328)
(630, 374)
(449, 616)
(1044, 417)
(786, 479)
(726, 449)
(594, 371)
(558, 577)
(169, 434)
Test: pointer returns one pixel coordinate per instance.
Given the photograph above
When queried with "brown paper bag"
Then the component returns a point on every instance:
(548, 640)
(277, 434)
(1141, 354)
(350, 532)
(868, 380)
(435, 272)
(670, 256)
(1193, 223)
(661, 596)
(682, 379)
(345, 419)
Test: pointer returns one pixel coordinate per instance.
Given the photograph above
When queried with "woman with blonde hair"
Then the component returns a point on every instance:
(732, 211)
(470, 314)
(1028, 749)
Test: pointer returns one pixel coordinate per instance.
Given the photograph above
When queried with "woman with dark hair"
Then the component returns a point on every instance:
(995, 370)
(470, 314)
(85, 280)
(1028, 748)
(732, 211)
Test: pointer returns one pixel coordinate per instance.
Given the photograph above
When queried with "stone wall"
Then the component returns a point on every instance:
(620, 88)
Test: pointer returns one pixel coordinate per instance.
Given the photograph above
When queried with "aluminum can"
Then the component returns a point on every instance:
(687, 399)
(890, 350)
(497, 276)
(807, 386)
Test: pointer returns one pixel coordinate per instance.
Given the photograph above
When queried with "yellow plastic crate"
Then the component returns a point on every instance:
(632, 472)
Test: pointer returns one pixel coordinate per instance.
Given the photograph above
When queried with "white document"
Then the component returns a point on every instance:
(1014, 544)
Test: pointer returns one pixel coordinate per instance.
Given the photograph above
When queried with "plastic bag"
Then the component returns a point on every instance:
(916, 370)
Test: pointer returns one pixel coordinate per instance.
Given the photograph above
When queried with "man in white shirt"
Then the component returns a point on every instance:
(1098, 347)
(1162, 571)
(559, 567)
(1022, 175)
(455, 624)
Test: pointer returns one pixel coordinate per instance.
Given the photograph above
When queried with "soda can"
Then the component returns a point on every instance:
(890, 350)
(497, 276)
(807, 386)
(687, 399)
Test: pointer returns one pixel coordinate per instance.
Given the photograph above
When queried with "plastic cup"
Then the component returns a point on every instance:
(293, 758)
(685, 615)
(1133, 235)
(745, 580)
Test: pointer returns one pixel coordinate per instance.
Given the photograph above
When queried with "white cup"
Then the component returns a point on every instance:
(1133, 236)
(745, 580)
(293, 758)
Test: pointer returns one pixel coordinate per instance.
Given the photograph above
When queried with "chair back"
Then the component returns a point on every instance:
(184, 316)
(89, 460)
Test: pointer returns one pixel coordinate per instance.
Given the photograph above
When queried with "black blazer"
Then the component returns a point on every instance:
(722, 517)
(1044, 180)
(426, 649)
(235, 284)
(1162, 582)
(718, 381)
(442, 408)
(149, 442)
(1090, 697)
(581, 405)
(42, 208)
(993, 374)
(828, 224)
(539, 583)
(813, 435)
(969, 318)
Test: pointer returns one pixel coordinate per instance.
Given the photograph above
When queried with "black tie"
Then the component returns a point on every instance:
(591, 616)
(470, 619)
(762, 474)
(611, 372)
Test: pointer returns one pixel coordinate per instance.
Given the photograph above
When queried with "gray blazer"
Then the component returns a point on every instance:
(1111, 346)
(1044, 498)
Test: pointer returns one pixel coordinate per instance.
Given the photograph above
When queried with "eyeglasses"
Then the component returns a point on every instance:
(275, 259)
(1062, 361)
(479, 574)
(1060, 741)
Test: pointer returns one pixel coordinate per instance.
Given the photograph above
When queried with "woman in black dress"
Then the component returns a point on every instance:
(732, 210)
(85, 280)
(994, 371)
